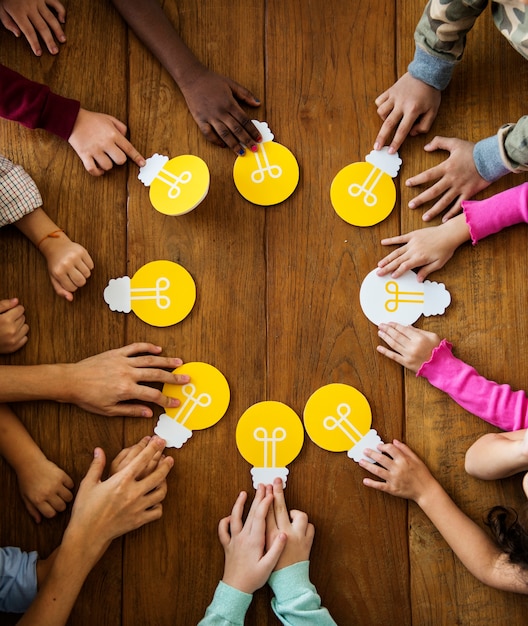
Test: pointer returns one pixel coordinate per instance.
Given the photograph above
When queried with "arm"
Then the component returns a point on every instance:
(498, 455)
(212, 99)
(102, 511)
(406, 476)
(44, 487)
(103, 384)
(428, 248)
(29, 17)
(296, 601)
(69, 264)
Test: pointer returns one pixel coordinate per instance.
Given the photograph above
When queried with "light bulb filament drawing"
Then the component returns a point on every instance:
(174, 181)
(344, 425)
(154, 293)
(370, 198)
(191, 402)
(270, 442)
(392, 304)
(258, 175)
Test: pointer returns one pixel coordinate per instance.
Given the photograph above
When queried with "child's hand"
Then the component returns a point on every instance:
(127, 455)
(213, 102)
(100, 141)
(45, 488)
(428, 248)
(29, 17)
(247, 565)
(13, 327)
(412, 346)
(409, 107)
(455, 180)
(403, 472)
(299, 531)
(69, 264)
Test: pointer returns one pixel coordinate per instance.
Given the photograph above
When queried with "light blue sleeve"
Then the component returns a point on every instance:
(18, 579)
(296, 602)
(228, 608)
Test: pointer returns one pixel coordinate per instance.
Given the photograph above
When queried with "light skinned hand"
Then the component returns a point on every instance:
(127, 455)
(34, 18)
(299, 531)
(428, 248)
(100, 142)
(404, 474)
(45, 488)
(409, 107)
(13, 327)
(106, 383)
(105, 510)
(69, 264)
(410, 346)
(454, 180)
(213, 101)
(248, 564)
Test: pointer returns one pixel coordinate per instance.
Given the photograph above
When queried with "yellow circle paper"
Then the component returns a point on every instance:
(269, 434)
(337, 416)
(362, 194)
(180, 185)
(204, 400)
(162, 293)
(267, 176)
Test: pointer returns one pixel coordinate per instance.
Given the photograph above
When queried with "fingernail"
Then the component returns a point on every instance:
(254, 148)
(259, 138)
(54, 50)
(376, 146)
(62, 38)
(184, 378)
(145, 413)
(173, 402)
(178, 362)
(241, 152)
(411, 205)
(257, 100)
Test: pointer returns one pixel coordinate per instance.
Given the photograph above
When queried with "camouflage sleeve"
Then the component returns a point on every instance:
(505, 152)
(440, 38)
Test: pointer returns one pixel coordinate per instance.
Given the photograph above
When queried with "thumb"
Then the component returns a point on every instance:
(243, 95)
(274, 552)
(95, 471)
(7, 305)
(438, 143)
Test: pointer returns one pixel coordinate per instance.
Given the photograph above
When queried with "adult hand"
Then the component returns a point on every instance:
(299, 531)
(454, 180)
(213, 101)
(247, 564)
(411, 347)
(409, 107)
(100, 141)
(107, 382)
(127, 455)
(13, 327)
(33, 18)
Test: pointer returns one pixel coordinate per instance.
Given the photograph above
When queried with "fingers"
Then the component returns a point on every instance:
(280, 509)
(136, 467)
(95, 471)
(235, 519)
(127, 454)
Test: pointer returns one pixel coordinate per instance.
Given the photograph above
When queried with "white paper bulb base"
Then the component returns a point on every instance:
(370, 440)
(266, 475)
(174, 433)
(117, 294)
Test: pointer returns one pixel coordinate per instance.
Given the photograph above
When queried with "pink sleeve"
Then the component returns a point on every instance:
(34, 105)
(494, 403)
(486, 217)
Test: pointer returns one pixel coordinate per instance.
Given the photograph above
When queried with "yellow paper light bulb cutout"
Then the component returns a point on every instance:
(337, 417)
(269, 175)
(203, 402)
(178, 185)
(161, 293)
(269, 435)
(364, 193)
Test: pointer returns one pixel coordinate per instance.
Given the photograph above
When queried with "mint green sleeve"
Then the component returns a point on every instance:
(228, 608)
(296, 602)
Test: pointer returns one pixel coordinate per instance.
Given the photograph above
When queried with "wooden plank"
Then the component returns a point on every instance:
(172, 567)
(60, 331)
(485, 320)
(320, 105)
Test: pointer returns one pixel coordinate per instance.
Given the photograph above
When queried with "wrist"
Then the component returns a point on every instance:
(47, 242)
(430, 495)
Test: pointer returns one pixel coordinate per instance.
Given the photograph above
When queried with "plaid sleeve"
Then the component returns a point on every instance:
(19, 194)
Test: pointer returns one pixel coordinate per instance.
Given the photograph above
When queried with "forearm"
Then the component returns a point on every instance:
(21, 383)
(497, 455)
(36, 226)
(494, 403)
(16, 444)
(151, 25)
(475, 549)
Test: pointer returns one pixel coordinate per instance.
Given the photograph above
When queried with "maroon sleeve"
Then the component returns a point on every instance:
(34, 105)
